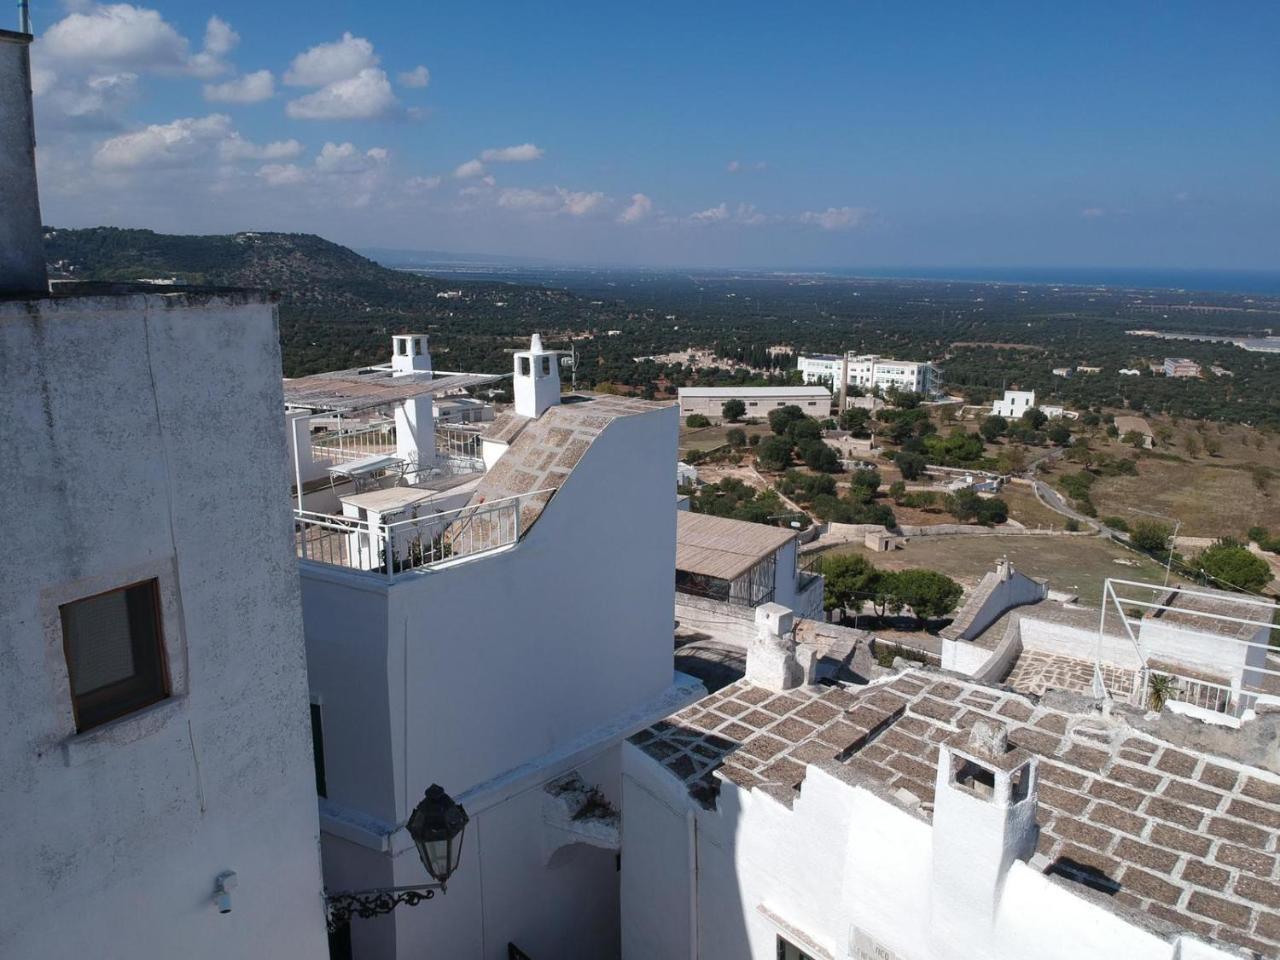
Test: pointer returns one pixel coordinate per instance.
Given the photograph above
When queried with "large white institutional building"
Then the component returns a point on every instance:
(870, 372)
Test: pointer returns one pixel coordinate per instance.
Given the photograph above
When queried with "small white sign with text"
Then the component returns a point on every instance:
(867, 947)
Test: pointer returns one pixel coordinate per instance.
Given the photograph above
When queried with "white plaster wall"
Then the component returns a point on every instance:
(1042, 636)
(964, 656)
(524, 650)
(839, 859)
(143, 434)
(1212, 652)
(476, 671)
(1017, 591)
(550, 902)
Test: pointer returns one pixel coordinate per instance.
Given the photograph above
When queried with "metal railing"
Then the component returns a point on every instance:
(1240, 650)
(430, 539)
(352, 444)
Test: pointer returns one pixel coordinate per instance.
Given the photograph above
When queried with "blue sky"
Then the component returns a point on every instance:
(821, 134)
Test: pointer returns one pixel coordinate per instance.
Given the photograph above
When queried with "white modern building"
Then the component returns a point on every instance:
(932, 816)
(871, 372)
(502, 648)
(709, 401)
(1014, 404)
(154, 730)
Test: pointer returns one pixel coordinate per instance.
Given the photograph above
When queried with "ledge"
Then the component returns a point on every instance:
(92, 744)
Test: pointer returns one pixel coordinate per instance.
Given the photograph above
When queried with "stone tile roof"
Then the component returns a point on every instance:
(724, 548)
(546, 450)
(1181, 835)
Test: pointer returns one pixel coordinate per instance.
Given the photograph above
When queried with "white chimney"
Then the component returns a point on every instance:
(536, 379)
(773, 659)
(22, 269)
(984, 818)
(409, 354)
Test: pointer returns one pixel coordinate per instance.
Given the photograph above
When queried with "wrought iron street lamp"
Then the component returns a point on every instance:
(436, 827)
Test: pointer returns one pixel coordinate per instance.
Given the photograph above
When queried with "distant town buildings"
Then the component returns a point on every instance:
(1130, 424)
(1129, 372)
(870, 372)
(709, 401)
(1180, 367)
(1063, 371)
(1083, 368)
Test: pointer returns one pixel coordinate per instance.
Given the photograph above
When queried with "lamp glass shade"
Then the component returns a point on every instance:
(436, 826)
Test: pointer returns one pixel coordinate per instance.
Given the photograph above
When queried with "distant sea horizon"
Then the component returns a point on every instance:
(1265, 282)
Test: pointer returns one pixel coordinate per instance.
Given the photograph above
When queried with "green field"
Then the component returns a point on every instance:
(1075, 564)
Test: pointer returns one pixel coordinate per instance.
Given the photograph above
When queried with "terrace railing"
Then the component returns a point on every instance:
(431, 539)
(339, 446)
(1237, 646)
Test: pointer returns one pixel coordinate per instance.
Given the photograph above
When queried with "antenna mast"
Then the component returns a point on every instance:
(24, 17)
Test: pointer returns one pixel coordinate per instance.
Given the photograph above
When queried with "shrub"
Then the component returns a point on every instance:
(696, 420)
(1233, 565)
(1151, 536)
(1116, 523)
(1072, 525)
(737, 437)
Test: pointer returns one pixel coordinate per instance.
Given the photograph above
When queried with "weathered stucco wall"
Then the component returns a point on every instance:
(143, 438)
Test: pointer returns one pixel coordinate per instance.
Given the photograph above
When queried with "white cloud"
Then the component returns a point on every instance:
(115, 35)
(250, 88)
(468, 170)
(282, 174)
(1093, 213)
(521, 153)
(836, 218)
(365, 96)
(419, 76)
(219, 38)
(556, 200)
(328, 63)
(235, 147)
(734, 166)
(639, 208)
(748, 214)
(711, 215)
(421, 184)
(579, 204)
(348, 158)
(163, 144)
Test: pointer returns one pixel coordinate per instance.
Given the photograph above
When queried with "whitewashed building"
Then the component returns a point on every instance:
(158, 786)
(930, 816)
(1014, 404)
(503, 649)
(871, 372)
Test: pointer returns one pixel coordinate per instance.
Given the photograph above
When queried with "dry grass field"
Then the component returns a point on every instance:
(1078, 564)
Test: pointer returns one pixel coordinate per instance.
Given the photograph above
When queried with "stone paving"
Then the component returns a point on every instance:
(1176, 833)
(1035, 673)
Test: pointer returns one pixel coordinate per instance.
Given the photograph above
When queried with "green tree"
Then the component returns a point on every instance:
(734, 410)
(850, 580)
(1012, 459)
(782, 418)
(736, 436)
(1134, 438)
(1034, 418)
(1059, 435)
(910, 465)
(856, 421)
(993, 427)
(928, 593)
(864, 484)
(774, 453)
(818, 456)
(964, 505)
(1232, 565)
(897, 490)
(694, 420)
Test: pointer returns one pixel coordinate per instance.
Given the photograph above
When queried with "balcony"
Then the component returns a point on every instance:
(429, 539)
